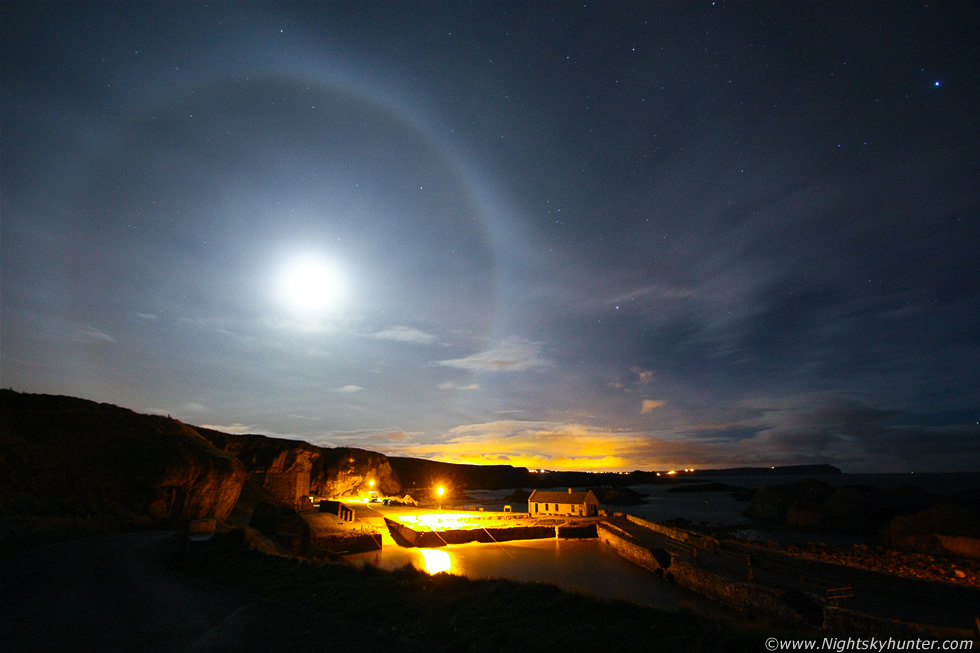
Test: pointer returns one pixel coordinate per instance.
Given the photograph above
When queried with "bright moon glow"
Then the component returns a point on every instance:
(310, 284)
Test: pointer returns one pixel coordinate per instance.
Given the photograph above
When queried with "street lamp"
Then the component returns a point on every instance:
(440, 491)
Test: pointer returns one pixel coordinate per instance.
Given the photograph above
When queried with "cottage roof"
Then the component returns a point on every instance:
(551, 496)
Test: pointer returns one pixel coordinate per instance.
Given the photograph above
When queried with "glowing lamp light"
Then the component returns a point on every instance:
(371, 483)
(440, 490)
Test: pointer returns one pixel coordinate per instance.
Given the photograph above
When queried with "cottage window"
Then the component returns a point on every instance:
(546, 507)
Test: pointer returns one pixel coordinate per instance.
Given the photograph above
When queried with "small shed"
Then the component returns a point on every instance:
(564, 504)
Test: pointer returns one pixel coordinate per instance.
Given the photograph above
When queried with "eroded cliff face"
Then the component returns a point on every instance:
(195, 487)
(292, 469)
(348, 472)
(62, 457)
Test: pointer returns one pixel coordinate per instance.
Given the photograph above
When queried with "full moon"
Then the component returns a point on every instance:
(310, 284)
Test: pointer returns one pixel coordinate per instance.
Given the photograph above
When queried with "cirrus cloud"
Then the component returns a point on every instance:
(348, 389)
(650, 404)
(405, 334)
(509, 355)
(449, 385)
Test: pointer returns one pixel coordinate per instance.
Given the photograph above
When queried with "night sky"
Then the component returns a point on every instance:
(599, 235)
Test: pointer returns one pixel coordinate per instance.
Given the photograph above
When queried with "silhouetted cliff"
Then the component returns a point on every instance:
(96, 465)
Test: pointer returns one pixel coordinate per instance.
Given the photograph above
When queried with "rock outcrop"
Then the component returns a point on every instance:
(772, 503)
(292, 469)
(904, 517)
(941, 529)
(346, 471)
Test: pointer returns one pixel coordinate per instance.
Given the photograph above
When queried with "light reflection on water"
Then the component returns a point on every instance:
(435, 561)
(586, 566)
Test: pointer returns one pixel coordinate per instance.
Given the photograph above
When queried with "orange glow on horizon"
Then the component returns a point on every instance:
(559, 447)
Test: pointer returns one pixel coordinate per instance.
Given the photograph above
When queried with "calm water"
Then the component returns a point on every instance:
(589, 567)
(584, 566)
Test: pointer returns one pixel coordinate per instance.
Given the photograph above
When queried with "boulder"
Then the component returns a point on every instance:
(771, 503)
(941, 529)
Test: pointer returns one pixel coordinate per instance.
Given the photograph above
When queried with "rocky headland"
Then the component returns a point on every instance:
(905, 518)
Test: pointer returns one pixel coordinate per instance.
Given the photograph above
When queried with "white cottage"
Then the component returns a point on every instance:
(574, 504)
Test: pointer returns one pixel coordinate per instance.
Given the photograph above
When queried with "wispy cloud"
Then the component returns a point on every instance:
(348, 389)
(230, 428)
(406, 334)
(654, 291)
(449, 385)
(509, 355)
(630, 382)
(642, 375)
(650, 404)
(389, 440)
(91, 334)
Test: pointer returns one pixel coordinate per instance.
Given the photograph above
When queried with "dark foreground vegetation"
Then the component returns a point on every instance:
(418, 612)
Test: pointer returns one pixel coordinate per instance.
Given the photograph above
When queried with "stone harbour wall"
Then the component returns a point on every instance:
(755, 600)
(669, 531)
(621, 542)
(750, 598)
